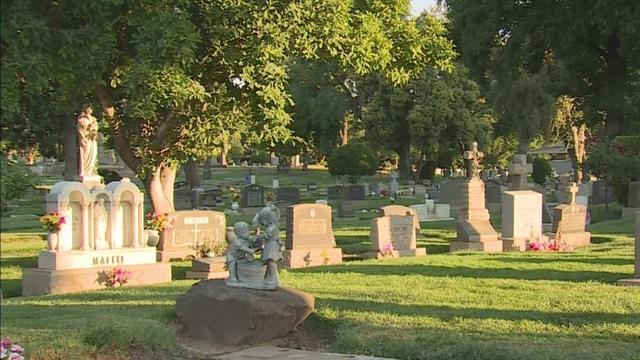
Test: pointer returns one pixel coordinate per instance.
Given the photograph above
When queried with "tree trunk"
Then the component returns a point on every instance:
(523, 145)
(223, 156)
(70, 144)
(159, 188)
(616, 83)
(404, 163)
(191, 173)
(344, 130)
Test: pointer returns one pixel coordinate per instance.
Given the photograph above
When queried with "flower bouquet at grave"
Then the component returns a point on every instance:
(10, 351)
(53, 221)
(117, 277)
(387, 250)
(158, 222)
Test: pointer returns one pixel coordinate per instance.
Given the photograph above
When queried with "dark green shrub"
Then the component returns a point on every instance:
(541, 170)
(353, 160)
(15, 180)
(428, 170)
(618, 162)
(109, 175)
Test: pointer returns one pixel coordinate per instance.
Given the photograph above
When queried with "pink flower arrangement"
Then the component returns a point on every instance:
(536, 246)
(117, 277)
(10, 351)
(553, 245)
(53, 221)
(387, 250)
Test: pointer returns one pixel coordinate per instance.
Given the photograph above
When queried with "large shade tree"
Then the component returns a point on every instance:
(437, 114)
(167, 74)
(596, 42)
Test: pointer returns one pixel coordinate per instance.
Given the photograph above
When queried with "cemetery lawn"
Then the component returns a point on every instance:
(442, 306)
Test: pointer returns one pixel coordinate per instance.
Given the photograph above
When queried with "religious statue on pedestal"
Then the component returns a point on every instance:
(88, 143)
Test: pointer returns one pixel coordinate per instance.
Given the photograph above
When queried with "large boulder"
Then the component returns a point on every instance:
(223, 315)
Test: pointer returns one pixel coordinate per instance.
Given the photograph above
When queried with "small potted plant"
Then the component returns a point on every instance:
(153, 225)
(52, 222)
(268, 196)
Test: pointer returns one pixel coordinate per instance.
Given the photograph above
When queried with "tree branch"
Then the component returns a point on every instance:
(118, 132)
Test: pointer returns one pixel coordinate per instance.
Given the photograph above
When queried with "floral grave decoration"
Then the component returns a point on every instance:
(387, 250)
(117, 277)
(53, 221)
(158, 222)
(11, 351)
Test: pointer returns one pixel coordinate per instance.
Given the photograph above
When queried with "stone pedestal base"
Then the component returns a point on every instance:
(90, 181)
(629, 282)
(485, 246)
(166, 255)
(252, 275)
(78, 259)
(577, 239)
(521, 244)
(300, 258)
(224, 315)
(476, 231)
(43, 282)
(397, 253)
(208, 268)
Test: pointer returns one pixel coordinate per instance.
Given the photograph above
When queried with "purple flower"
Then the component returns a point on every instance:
(17, 348)
(5, 343)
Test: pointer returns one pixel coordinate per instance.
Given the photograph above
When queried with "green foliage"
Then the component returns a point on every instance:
(15, 180)
(428, 170)
(353, 160)
(617, 162)
(109, 175)
(181, 74)
(500, 151)
(592, 53)
(541, 170)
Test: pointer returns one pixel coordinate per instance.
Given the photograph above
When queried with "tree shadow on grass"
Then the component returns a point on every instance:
(449, 313)
(567, 259)
(468, 272)
(22, 262)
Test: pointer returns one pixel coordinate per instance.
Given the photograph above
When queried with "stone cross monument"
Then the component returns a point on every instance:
(474, 156)
(475, 232)
(518, 171)
(573, 190)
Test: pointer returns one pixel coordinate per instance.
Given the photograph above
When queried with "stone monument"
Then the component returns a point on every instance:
(244, 270)
(394, 236)
(190, 228)
(103, 230)
(474, 228)
(310, 240)
(569, 222)
(518, 171)
(521, 219)
(394, 186)
(242, 312)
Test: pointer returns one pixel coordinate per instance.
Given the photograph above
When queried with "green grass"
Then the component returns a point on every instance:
(442, 306)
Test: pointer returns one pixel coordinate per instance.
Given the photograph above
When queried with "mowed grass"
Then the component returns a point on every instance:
(442, 306)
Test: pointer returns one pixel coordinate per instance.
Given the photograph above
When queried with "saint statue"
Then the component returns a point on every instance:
(88, 143)
(100, 217)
